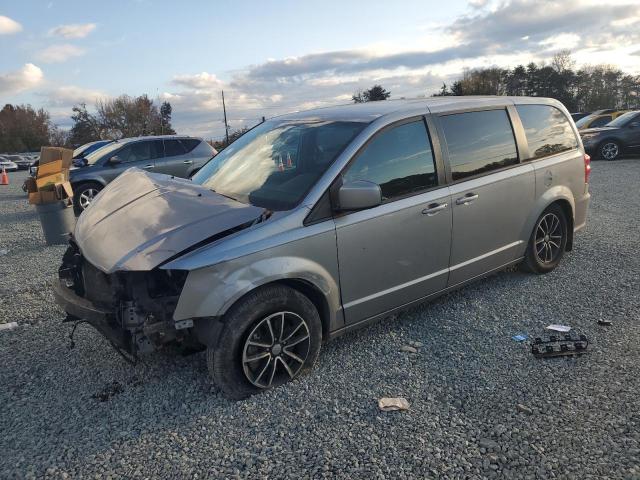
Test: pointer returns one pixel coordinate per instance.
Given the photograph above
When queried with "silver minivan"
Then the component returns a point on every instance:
(319, 222)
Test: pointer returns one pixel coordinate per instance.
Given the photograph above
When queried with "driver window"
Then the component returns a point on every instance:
(399, 159)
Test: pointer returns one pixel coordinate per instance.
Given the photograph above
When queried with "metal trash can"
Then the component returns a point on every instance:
(57, 220)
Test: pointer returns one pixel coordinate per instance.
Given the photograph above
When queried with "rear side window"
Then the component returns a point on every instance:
(399, 159)
(189, 143)
(601, 122)
(173, 148)
(547, 129)
(479, 142)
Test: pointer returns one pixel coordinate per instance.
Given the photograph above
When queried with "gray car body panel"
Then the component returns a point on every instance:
(183, 166)
(365, 263)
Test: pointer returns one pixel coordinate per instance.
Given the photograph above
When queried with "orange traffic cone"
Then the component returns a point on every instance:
(4, 179)
(289, 161)
(280, 164)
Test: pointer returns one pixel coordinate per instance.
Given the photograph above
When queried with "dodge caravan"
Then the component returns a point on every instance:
(319, 222)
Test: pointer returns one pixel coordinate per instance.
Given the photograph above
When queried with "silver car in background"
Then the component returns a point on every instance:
(319, 222)
(175, 155)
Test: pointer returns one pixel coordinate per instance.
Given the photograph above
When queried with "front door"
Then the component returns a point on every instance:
(141, 154)
(492, 194)
(396, 252)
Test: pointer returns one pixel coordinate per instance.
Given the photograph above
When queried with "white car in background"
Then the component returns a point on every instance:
(7, 164)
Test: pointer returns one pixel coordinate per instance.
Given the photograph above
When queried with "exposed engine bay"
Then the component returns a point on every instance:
(134, 310)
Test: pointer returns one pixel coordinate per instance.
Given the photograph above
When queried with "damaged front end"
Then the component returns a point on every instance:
(133, 309)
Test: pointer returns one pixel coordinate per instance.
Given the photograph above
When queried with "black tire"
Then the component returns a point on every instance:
(544, 251)
(80, 192)
(610, 150)
(256, 317)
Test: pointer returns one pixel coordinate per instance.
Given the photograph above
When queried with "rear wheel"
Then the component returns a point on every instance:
(270, 337)
(548, 241)
(610, 150)
(83, 195)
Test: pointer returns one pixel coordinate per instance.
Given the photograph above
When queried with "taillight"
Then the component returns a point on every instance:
(587, 168)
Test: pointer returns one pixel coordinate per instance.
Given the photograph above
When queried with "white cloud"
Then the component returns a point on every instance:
(26, 78)
(478, 3)
(60, 53)
(562, 41)
(69, 95)
(9, 26)
(76, 30)
(202, 80)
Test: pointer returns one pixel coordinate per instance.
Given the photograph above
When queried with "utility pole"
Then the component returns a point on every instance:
(226, 126)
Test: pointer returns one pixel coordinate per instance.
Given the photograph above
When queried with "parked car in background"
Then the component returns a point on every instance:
(578, 115)
(7, 164)
(597, 119)
(316, 223)
(87, 148)
(618, 137)
(175, 155)
(22, 161)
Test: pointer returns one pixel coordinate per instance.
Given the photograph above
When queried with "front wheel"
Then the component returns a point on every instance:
(270, 337)
(83, 196)
(610, 150)
(548, 241)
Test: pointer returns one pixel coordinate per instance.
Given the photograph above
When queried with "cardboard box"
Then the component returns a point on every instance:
(52, 181)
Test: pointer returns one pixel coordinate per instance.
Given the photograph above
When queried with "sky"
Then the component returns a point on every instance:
(273, 57)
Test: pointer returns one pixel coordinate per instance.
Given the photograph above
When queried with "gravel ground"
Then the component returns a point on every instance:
(577, 418)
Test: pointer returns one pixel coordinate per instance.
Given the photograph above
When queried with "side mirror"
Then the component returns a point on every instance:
(358, 195)
(115, 160)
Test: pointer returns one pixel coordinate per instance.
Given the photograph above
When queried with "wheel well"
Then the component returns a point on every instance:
(316, 296)
(80, 183)
(568, 213)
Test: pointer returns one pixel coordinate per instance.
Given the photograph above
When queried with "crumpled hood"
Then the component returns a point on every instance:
(142, 219)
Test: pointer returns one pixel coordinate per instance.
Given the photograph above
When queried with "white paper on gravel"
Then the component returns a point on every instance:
(559, 328)
(8, 326)
(387, 404)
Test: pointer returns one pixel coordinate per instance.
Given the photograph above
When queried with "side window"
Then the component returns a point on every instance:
(400, 160)
(173, 148)
(189, 143)
(479, 142)
(600, 122)
(137, 152)
(547, 129)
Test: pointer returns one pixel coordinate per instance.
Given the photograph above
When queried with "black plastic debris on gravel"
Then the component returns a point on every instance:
(110, 390)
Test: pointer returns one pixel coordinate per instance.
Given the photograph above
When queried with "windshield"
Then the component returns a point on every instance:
(274, 165)
(622, 120)
(81, 149)
(96, 155)
(584, 120)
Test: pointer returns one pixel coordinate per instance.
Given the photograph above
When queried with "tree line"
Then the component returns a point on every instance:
(585, 89)
(120, 117)
(24, 129)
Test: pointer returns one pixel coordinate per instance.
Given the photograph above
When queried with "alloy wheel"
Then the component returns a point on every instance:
(276, 349)
(610, 150)
(548, 238)
(86, 197)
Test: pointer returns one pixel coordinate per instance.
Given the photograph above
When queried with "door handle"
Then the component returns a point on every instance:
(187, 162)
(148, 167)
(434, 208)
(468, 198)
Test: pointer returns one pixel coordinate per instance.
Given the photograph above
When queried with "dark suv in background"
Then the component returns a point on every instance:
(610, 142)
(179, 156)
